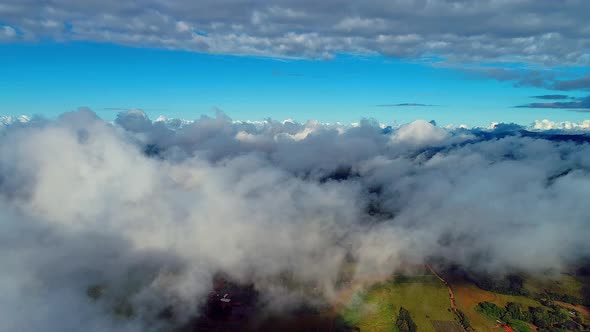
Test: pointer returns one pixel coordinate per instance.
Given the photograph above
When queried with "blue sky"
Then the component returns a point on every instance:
(51, 78)
(334, 61)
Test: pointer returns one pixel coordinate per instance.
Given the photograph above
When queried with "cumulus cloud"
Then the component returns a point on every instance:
(565, 125)
(147, 212)
(420, 133)
(542, 32)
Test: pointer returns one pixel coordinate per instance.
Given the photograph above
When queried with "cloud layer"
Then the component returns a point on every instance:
(152, 210)
(532, 31)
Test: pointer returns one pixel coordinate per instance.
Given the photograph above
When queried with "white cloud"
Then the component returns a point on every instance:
(182, 26)
(419, 133)
(565, 125)
(152, 211)
(7, 32)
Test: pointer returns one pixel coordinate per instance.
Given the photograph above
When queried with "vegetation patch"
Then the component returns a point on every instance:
(404, 322)
(378, 308)
(520, 318)
(468, 296)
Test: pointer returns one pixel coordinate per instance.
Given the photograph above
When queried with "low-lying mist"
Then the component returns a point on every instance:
(147, 213)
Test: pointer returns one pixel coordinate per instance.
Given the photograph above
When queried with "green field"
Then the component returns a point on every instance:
(520, 326)
(426, 298)
(376, 308)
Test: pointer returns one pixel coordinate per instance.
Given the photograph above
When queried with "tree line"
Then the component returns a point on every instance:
(552, 318)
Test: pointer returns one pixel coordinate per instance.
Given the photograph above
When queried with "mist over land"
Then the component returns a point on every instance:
(154, 210)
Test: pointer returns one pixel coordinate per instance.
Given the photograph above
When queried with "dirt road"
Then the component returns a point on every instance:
(451, 295)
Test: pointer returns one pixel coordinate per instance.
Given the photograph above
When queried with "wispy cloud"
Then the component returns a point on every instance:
(576, 104)
(582, 83)
(526, 77)
(406, 105)
(553, 97)
(279, 73)
(122, 109)
(125, 109)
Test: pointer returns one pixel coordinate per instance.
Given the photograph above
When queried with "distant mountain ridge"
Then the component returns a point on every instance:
(538, 129)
